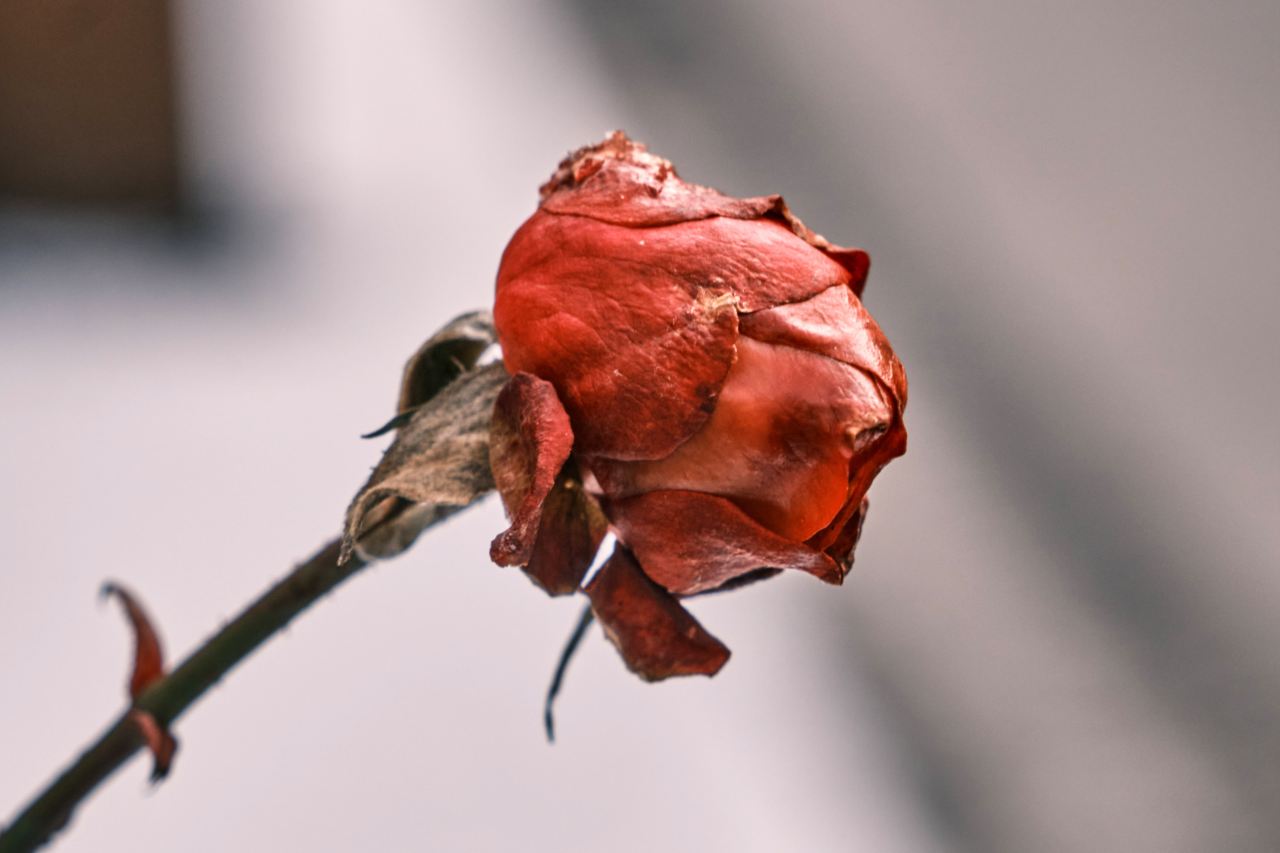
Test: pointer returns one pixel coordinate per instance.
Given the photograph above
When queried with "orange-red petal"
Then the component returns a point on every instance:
(569, 536)
(779, 442)
(636, 349)
(835, 324)
(528, 444)
(690, 542)
(655, 635)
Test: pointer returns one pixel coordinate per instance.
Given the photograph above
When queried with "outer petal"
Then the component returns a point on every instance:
(569, 535)
(832, 323)
(528, 445)
(841, 535)
(841, 550)
(620, 182)
(655, 635)
(636, 349)
(690, 542)
(779, 443)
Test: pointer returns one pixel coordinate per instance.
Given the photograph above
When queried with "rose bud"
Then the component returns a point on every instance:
(695, 372)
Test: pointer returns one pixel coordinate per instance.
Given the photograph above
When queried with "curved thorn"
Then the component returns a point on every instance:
(395, 423)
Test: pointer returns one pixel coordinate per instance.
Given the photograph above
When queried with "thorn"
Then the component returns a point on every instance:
(395, 423)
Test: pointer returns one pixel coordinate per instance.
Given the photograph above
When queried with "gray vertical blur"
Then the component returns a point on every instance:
(1071, 210)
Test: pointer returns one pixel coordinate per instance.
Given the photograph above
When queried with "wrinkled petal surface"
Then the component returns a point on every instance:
(620, 182)
(569, 535)
(528, 444)
(637, 352)
(779, 442)
(691, 542)
(832, 323)
(655, 635)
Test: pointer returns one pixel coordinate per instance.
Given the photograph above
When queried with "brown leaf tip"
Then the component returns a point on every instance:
(148, 656)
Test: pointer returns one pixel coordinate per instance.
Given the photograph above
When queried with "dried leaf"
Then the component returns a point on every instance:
(445, 356)
(437, 464)
(655, 635)
(148, 656)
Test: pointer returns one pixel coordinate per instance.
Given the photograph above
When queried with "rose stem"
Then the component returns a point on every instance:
(579, 631)
(169, 697)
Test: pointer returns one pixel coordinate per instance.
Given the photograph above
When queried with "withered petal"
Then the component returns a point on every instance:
(778, 443)
(835, 324)
(655, 635)
(637, 350)
(528, 445)
(148, 656)
(841, 550)
(618, 181)
(569, 535)
(862, 470)
(690, 542)
(856, 261)
(438, 463)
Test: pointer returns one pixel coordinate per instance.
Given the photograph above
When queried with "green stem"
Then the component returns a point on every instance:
(168, 698)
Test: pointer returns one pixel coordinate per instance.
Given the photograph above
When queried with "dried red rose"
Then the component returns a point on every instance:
(695, 371)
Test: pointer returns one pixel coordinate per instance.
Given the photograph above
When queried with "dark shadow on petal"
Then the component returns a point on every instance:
(655, 635)
(692, 542)
(528, 446)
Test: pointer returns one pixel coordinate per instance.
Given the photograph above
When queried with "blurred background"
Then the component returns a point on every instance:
(223, 227)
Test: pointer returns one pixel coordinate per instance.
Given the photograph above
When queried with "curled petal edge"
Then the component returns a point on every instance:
(529, 443)
(655, 635)
(692, 542)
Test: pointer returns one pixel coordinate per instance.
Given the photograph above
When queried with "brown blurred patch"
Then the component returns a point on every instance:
(87, 103)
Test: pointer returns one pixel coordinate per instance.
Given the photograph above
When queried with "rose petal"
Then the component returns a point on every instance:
(148, 656)
(841, 550)
(637, 350)
(655, 635)
(569, 535)
(528, 445)
(779, 442)
(620, 182)
(864, 467)
(835, 324)
(856, 261)
(690, 542)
